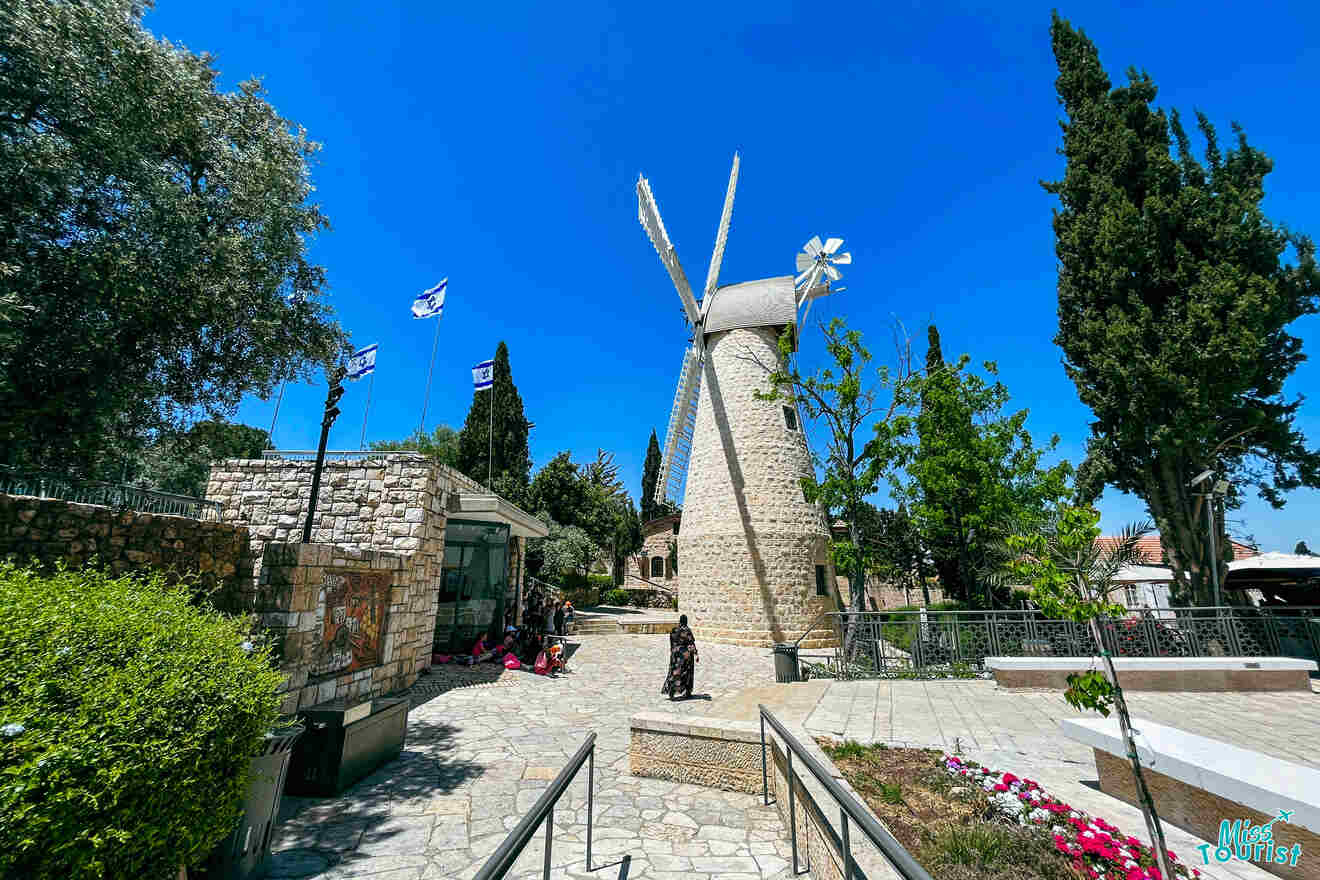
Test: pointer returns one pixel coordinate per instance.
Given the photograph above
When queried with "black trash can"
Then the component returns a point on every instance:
(244, 853)
(786, 663)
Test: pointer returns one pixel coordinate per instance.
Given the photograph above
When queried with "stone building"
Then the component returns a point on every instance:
(654, 564)
(753, 551)
(449, 552)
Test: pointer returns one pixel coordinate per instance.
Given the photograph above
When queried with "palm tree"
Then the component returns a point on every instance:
(1072, 577)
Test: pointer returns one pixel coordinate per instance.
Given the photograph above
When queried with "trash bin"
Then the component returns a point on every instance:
(786, 663)
(243, 854)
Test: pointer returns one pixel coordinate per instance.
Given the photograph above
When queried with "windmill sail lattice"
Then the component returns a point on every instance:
(678, 436)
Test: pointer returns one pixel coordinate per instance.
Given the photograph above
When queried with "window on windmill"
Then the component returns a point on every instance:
(1130, 592)
(820, 581)
(790, 418)
(675, 527)
(657, 566)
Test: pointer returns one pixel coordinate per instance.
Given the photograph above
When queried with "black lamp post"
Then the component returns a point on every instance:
(336, 377)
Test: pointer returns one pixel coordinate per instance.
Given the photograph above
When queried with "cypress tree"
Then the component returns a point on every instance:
(650, 476)
(511, 462)
(1174, 294)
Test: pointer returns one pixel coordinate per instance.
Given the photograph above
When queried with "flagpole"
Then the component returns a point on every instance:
(367, 408)
(421, 429)
(270, 436)
(490, 455)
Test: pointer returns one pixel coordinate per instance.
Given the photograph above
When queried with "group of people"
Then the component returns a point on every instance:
(545, 614)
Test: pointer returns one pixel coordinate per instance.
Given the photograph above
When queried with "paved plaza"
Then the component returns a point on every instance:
(479, 755)
(483, 743)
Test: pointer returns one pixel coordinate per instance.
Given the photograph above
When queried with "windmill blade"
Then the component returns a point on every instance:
(841, 259)
(649, 215)
(713, 274)
(812, 247)
(832, 245)
(802, 322)
(804, 262)
(678, 436)
(832, 273)
(807, 279)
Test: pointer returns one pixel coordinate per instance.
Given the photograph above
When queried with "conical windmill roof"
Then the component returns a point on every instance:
(769, 302)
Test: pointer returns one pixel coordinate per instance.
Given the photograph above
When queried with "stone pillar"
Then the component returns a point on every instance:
(749, 542)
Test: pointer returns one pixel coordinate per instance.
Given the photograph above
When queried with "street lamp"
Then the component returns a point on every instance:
(1219, 487)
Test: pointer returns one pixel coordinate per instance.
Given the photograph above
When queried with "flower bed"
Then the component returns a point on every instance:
(962, 820)
(1096, 848)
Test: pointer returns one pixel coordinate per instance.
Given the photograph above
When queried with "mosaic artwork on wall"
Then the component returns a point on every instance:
(353, 609)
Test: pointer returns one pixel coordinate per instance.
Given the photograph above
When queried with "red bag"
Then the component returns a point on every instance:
(542, 666)
(511, 662)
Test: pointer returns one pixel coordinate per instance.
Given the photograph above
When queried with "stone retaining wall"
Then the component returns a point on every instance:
(1163, 674)
(1199, 812)
(50, 530)
(700, 751)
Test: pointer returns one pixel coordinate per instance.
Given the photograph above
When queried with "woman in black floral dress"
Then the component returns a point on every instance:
(682, 660)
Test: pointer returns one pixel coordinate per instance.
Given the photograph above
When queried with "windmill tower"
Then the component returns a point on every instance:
(752, 552)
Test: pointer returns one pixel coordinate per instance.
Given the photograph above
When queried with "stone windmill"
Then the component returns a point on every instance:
(752, 552)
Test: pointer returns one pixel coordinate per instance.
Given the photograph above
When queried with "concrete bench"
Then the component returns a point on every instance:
(1161, 673)
(1197, 782)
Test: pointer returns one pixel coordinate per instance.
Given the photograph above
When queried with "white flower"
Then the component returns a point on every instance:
(11, 730)
(1130, 864)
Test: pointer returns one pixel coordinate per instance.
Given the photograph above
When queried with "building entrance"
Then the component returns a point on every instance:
(473, 584)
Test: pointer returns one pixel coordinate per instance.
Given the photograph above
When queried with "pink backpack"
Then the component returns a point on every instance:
(542, 666)
(512, 662)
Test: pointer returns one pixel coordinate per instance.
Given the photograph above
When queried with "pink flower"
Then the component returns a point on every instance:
(1009, 779)
(999, 786)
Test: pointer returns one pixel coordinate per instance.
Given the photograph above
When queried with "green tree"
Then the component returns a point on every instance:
(650, 477)
(502, 457)
(898, 555)
(849, 402)
(182, 463)
(1072, 578)
(973, 473)
(559, 491)
(567, 549)
(153, 237)
(440, 445)
(1173, 299)
(627, 538)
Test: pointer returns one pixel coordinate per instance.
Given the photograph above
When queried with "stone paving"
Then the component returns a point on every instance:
(484, 743)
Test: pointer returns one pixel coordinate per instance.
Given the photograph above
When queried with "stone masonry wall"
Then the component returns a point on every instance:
(50, 530)
(750, 542)
(291, 606)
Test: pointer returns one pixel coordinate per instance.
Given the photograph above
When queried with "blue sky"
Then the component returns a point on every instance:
(498, 145)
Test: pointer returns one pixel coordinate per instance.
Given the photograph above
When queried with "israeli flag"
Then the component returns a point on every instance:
(430, 303)
(362, 362)
(483, 375)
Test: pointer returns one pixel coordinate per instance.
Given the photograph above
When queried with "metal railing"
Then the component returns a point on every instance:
(878, 644)
(543, 810)
(115, 495)
(330, 454)
(849, 808)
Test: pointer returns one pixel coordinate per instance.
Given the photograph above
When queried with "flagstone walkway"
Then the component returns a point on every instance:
(484, 743)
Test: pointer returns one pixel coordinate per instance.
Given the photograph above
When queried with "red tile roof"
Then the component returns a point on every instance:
(1153, 554)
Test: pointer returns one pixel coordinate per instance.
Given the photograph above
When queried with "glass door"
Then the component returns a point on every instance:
(473, 580)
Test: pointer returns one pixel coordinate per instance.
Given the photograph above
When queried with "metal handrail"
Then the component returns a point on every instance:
(507, 852)
(348, 454)
(37, 484)
(900, 858)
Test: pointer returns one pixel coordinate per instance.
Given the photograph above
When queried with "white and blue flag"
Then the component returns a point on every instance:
(362, 362)
(483, 375)
(430, 303)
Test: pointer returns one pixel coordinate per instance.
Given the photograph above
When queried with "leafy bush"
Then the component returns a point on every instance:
(128, 720)
(615, 597)
(600, 581)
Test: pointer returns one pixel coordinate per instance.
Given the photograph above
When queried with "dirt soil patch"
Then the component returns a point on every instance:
(950, 829)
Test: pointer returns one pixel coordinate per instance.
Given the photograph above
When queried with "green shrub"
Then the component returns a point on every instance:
(600, 581)
(128, 720)
(615, 597)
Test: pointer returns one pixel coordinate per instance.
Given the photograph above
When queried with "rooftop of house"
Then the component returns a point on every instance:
(1153, 554)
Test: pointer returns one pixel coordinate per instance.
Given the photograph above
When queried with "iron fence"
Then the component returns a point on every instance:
(120, 497)
(330, 454)
(878, 644)
(849, 809)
